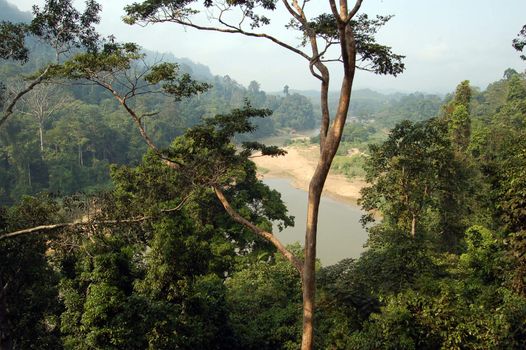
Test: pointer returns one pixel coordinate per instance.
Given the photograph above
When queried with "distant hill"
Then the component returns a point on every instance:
(366, 104)
(385, 108)
(197, 70)
(9, 12)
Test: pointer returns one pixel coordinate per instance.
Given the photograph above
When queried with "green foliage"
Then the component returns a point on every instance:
(350, 166)
(516, 251)
(406, 171)
(269, 291)
(469, 299)
(28, 284)
(139, 12)
(520, 41)
(64, 27)
(378, 58)
(294, 111)
(101, 310)
(483, 254)
(344, 302)
(385, 111)
(12, 45)
(357, 133)
(446, 320)
(459, 126)
(456, 115)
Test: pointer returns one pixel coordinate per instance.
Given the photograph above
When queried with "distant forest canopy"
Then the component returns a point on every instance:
(386, 109)
(63, 138)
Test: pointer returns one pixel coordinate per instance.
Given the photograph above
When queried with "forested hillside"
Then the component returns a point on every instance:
(132, 216)
(63, 139)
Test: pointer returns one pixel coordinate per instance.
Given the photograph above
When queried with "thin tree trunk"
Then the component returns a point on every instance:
(308, 277)
(41, 134)
(81, 161)
(29, 175)
(328, 148)
(413, 226)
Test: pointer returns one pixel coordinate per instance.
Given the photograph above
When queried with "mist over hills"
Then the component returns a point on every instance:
(9, 12)
(366, 104)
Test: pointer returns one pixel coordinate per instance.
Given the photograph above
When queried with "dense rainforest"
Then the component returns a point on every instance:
(63, 139)
(138, 255)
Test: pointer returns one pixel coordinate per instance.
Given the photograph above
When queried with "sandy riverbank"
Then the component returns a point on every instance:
(299, 164)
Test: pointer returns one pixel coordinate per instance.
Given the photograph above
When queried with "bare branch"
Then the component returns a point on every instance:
(297, 263)
(149, 114)
(332, 60)
(243, 32)
(9, 110)
(355, 9)
(42, 229)
(296, 15)
(334, 10)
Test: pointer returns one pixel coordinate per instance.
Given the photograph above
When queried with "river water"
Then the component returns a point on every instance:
(340, 234)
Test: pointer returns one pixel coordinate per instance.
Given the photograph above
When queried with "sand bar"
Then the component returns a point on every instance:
(299, 164)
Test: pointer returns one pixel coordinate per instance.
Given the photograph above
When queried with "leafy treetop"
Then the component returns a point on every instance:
(520, 42)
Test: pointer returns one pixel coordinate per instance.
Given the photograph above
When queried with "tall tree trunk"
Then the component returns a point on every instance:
(413, 226)
(41, 134)
(308, 277)
(29, 174)
(328, 147)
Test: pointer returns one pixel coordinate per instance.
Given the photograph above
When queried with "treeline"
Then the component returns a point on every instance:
(62, 139)
(384, 109)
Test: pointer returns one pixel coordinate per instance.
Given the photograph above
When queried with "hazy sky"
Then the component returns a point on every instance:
(445, 41)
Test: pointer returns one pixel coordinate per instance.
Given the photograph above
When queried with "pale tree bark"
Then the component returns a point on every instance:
(413, 225)
(41, 103)
(10, 106)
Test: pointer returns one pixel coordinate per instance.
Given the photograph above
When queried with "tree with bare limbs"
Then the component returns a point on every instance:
(41, 104)
(340, 39)
(341, 36)
(58, 25)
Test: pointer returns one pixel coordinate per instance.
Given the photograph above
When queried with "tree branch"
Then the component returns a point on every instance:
(355, 9)
(243, 32)
(52, 227)
(9, 110)
(297, 263)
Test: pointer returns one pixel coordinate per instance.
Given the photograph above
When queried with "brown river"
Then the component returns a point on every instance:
(340, 234)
